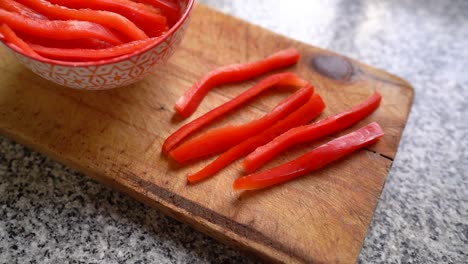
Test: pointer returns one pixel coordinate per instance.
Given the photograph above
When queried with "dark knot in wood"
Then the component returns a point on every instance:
(333, 67)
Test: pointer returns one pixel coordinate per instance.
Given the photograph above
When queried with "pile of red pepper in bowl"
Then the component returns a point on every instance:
(263, 139)
(88, 34)
(76, 30)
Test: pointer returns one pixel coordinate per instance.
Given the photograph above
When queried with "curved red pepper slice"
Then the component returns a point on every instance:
(168, 8)
(284, 79)
(145, 17)
(124, 6)
(191, 99)
(72, 54)
(58, 29)
(312, 160)
(13, 6)
(87, 43)
(12, 39)
(303, 115)
(221, 139)
(311, 132)
(105, 18)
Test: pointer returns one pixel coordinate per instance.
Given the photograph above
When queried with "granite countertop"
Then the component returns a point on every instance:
(49, 213)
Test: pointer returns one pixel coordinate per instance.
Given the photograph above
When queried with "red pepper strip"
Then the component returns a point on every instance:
(90, 54)
(12, 39)
(221, 139)
(168, 8)
(189, 101)
(87, 43)
(145, 17)
(310, 132)
(303, 115)
(58, 29)
(105, 18)
(285, 79)
(13, 6)
(315, 159)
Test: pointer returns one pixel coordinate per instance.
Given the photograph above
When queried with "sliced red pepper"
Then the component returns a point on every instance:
(124, 6)
(13, 6)
(221, 139)
(280, 79)
(315, 159)
(105, 18)
(58, 29)
(86, 43)
(191, 99)
(310, 132)
(145, 17)
(168, 8)
(303, 115)
(73, 54)
(12, 39)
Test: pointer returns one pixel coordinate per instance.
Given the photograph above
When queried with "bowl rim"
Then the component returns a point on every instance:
(159, 40)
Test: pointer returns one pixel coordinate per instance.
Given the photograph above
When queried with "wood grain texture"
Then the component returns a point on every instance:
(116, 136)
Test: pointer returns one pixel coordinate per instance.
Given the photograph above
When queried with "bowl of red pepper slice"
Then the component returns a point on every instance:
(93, 45)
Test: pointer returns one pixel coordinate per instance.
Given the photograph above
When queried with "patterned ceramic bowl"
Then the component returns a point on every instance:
(111, 73)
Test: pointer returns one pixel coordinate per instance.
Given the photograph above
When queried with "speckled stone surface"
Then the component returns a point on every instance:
(50, 214)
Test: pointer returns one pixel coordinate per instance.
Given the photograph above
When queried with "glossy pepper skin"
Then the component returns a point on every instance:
(221, 139)
(58, 29)
(78, 54)
(13, 40)
(280, 79)
(86, 43)
(303, 115)
(14, 6)
(191, 99)
(312, 160)
(168, 8)
(311, 132)
(145, 17)
(105, 18)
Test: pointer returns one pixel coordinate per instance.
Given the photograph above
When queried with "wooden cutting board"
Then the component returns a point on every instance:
(115, 137)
